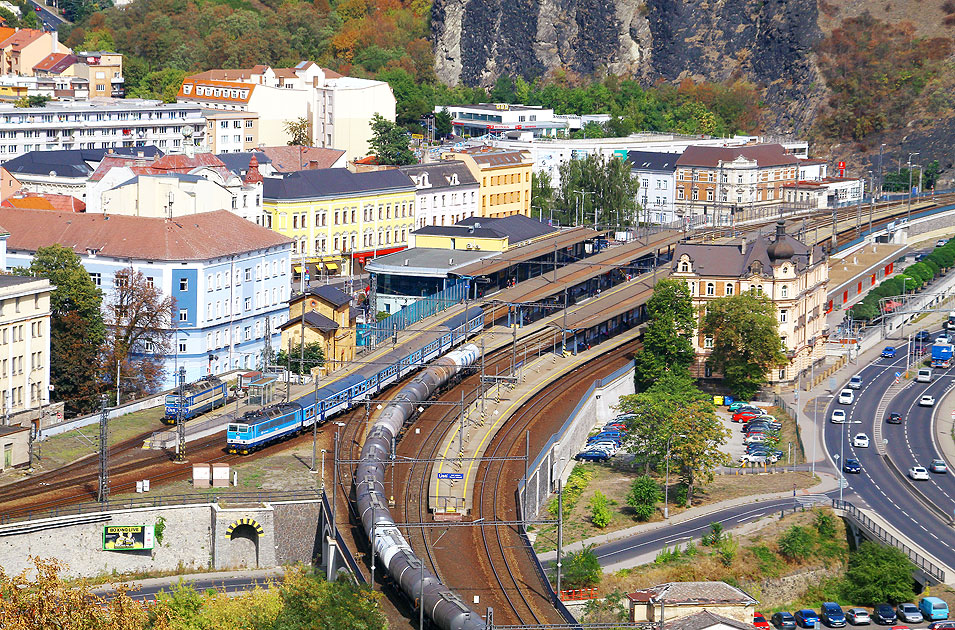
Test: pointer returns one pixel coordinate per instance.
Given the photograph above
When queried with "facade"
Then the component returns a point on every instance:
(328, 320)
(340, 219)
(103, 72)
(24, 343)
(673, 601)
(656, 173)
(791, 274)
(719, 184)
(830, 192)
(495, 118)
(230, 293)
(504, 178)
(445, 192)
(25, 48)
(231, 131)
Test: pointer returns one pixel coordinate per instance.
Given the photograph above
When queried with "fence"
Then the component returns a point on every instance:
(886, 537)
(373, 334)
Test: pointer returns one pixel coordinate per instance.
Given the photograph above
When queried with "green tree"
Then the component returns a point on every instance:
(746, 343)
(697, 437)
(542, 194)
(643, 497)
(34, 100)
(29, 19)
(600, 510)
(389, 143)
(582, 569)
(797, 543)
(667, 341)
(162, 84)
(442, 124)
(311, 603)
(299, 131)
(596, 188)
(314, 357)
(878, 573)
(9, 18)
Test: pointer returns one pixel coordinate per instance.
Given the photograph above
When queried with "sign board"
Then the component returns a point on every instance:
(450, 475)
(417, 136)
(128, 537)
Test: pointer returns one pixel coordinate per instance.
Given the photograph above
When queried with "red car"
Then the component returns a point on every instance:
(760, 621)
(743, 416)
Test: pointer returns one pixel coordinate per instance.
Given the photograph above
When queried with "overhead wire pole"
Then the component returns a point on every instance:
(103, 493)
(180, 420)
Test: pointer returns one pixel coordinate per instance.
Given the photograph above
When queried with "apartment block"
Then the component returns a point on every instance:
(504, 178)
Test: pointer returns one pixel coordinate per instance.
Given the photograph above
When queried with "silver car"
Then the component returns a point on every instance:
(858, 617)
(909, 613)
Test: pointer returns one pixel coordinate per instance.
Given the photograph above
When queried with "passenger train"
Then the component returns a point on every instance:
(258, 429)
(197, 398)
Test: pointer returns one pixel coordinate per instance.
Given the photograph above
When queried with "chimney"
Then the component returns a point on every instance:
(742, 246)
(780, 229)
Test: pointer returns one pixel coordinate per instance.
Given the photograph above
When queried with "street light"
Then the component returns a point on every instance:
(909, 211)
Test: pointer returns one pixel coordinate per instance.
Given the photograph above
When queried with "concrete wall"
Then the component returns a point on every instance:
(297, 532)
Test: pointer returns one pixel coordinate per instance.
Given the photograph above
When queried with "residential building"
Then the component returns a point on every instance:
(794, 276)
(504, 178)
(445, 192)
(59, 88)
(721, 185)
(231, 131)
(497, 118)
(338, 109)
(329, 320)
(829, 192)
(287, 159)
(228, 276)
(106, 124)
(103, 71)
(339, 219)
(24, 344)
(656, 173)
(673, 601)
(25, 48)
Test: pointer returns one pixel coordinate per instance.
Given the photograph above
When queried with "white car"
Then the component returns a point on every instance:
(855, 382)
(607, 447)
(927, 401)
(918, 473)
(756, 438)
(847, 397)
(861, 440)
(838, 416)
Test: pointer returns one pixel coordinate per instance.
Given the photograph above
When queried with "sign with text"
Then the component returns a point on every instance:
(450, 475)
(128, 537)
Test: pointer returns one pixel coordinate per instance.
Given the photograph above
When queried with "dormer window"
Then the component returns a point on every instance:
(453, 180)
(424, 181)
(187, 88)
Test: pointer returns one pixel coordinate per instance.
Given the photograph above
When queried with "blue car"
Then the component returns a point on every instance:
(592, 456)
(832, 615)
(806, 618)
(888, 352)
(852, 466)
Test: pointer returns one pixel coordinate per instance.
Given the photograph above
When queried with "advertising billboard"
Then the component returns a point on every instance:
(128, 537)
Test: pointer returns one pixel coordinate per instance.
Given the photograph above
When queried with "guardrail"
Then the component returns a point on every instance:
(886, 537)
(341, 548)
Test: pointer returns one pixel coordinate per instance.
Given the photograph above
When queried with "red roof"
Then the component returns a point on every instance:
(287, 159)
(180, 163)
(41, 201)
(23, 37)
(55, 63)
(195, 237)
(253, 175)
(112, 161)
(763, 154)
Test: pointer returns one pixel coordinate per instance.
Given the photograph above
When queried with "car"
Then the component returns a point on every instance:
(761, 426)
(763, 431)
(759, 621)
(884, 614)
(831, 614)
(855, 382)
(894, 418)
(613, 435)
(594, 455)
(858, 617)
(619, 426)
(846, 397)
(624, 417)
(943, 337)
(770, 420)
(743, 416)
(918, 473)
(838, 416)
(923, 336)
(861, 440)
(888, 352)
(783, 621)
(942, 625)
(909, 613)
(852, 466)
(756, 438)
(758, 458)
(924, 375)
(933, 608)
(37, 9)
(609, 447)
(939, 466)
(739, 404)
(806, 618)
(941, 242)
(927, 401)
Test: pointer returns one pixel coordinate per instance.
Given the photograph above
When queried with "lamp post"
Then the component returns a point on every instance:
(908, 213)
(666, 483)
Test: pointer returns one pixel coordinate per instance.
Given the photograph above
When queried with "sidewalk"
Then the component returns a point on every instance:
(218, 576)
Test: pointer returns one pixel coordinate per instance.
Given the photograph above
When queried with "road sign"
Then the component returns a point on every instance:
(898, 375)
(953, 414)
(450, 475)
(417, 136)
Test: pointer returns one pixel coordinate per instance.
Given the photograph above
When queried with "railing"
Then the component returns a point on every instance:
(373, 334)
(886, 537)
(341, 548)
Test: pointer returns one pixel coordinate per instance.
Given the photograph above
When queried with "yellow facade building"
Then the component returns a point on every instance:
(504, 177)
(328, 320)
(338, 219)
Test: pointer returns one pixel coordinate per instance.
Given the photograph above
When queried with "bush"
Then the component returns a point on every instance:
(767, 562)
(878, 573)
(825, 525)
(679, 495)
(796, 543)
(582, 569)
(575, 486)
(643, 497)
(600, 510)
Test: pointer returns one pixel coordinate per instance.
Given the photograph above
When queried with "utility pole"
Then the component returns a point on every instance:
(560, 527)
(908, 212)
(301, 339)
(315, 435)
(180, 420)
(103, 494)
(288, 369)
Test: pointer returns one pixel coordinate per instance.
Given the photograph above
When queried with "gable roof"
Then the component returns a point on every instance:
(181, 163)
(703, 620)
(699, 593)
(651, 161)
(439, 174)
(71, 162)
(491, 157)
(196, 237)
(763, 154)
(191, 85)
(55, 63)
(314, 320)
(517, 227)
(40, 201)
(328, 182)
(22, 38)
(332, 295)
(287, 159)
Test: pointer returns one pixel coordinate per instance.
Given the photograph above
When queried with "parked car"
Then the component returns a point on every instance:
(852, 466)
(783, 621)
(861, 440)
(941, 242)
(624, 417)
(613, 435)
(933, 608)
(609, 447)
(762, 421)
(938, 465)
(743, 416)
(918, 473)
(909, 613)
(806, 618)
(594, 455)
(888, 352)
(618, 426)
(760, 621)
(894, 418)
(927, 401)
(855, 382)
(831, 614)
(765, 429)
(756, 438)
(942, 625)
(858, 617)
(739, 404)
(847, 397)
(884, 614)
(838, 416)
(756, 458)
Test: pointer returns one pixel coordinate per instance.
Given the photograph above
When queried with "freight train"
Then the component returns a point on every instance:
(197, 398)
(258, 429)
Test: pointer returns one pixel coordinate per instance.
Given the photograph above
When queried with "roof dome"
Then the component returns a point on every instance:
(780, 248)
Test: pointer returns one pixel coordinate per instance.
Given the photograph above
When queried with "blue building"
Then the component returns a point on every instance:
(230, 278)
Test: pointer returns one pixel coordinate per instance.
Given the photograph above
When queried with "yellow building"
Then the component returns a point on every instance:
(482, 234)
(25, 341)
(504, 177)
(328, 320)
(338, 219)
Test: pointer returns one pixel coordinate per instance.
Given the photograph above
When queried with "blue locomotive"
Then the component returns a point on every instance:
(197, 398)
(257, 429)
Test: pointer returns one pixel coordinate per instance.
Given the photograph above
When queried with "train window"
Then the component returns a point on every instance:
(233, 428)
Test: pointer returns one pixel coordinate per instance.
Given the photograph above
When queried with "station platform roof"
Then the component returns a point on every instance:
(541, 247)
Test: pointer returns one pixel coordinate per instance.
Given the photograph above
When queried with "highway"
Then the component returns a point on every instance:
(51, 21)
(877, 487)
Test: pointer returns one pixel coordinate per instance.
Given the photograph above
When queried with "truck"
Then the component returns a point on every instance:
(942, 354)
(950, 324)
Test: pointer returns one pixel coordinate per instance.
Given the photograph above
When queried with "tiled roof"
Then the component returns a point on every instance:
(20, 39)
(6, 32)
(328, 182)
(183, 163)
(703, 620)
(197, 237)
(693, 593)
(764, 154)
(487, 156)
(55, 63)
(41, 201)
(736, 261)
(439, 174)
(113, 161)
(288, 159)
(312, 320)
(190, 90)
(651, 161)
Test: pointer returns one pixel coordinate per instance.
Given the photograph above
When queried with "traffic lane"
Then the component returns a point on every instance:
(236, 584)
(46, 16)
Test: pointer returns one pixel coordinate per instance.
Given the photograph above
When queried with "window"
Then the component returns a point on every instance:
(148, 347)
(707, 342)
(707, 371)
(783, 316)
(248, 304)
(150, 282)
(182, 346)
(210, 282)
(696, 194)
(183, 314)
(97, 279)
(709, 194)
(782, 374)
(710, 288)
(729, 288)
(679, 193)
(684, 267)
(248, 273)
(247, 333)
(784, 291)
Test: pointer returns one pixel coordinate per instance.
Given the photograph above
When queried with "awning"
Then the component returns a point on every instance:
(297, 268)
(331, 266)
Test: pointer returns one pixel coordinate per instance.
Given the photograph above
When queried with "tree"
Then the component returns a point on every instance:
(600, 510)
(299, 131)
(314, 357)
(878, 573)
(596, 184)
(9, 19)
(35, 100)
(139, 321)
(746, 343)
(667, 341)
(30, 20)
(797, 543)
(643, 497)
(542, 194)
(311, 603)
(389, 143)
(582, 569)
(442, 124)
(697, 437)
(76, 327)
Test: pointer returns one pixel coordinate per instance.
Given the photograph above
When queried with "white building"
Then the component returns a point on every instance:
(656, 173)
(497, 118)
(831, 192)
(445, 192)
